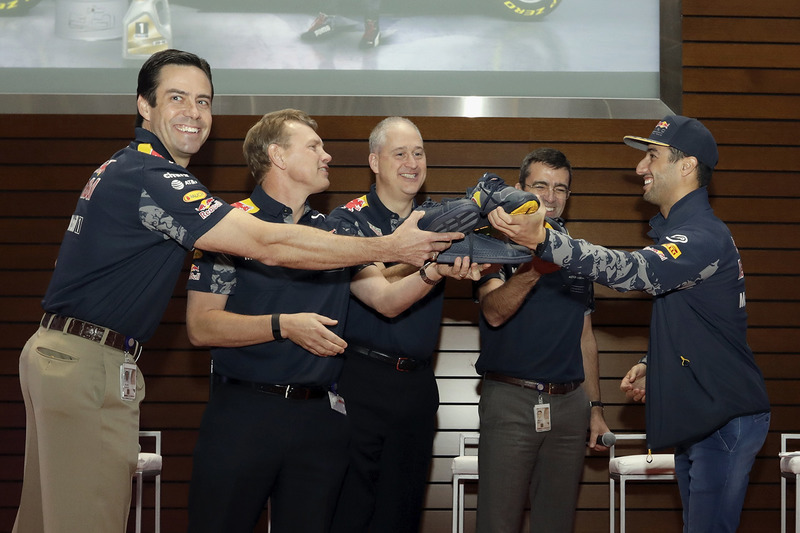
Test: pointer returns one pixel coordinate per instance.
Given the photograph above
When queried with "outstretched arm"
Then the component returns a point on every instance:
(296, 246)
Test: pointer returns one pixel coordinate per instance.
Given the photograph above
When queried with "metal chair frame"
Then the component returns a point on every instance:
(459, 477)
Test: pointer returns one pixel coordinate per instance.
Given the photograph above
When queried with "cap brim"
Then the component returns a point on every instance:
(640, 143)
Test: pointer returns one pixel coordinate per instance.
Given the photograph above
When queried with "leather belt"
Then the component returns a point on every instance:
(92, 332)
(401, 364)
(293, 392)
(549, 388)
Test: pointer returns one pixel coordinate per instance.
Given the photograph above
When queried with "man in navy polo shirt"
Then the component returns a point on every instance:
(275, 427)
(541, 389)
(388, 377)
(705, 394)
(123, 250)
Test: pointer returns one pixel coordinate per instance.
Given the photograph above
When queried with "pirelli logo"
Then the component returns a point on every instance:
(673, 249)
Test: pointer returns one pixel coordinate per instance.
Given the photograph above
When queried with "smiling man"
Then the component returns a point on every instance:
(123, 250)
(541, 388)
(706, 396)
(388, 379)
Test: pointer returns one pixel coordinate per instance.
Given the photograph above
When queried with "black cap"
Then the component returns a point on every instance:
(686, 134)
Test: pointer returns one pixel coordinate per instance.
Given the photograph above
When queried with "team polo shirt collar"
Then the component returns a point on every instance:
(684, 209)
(273, 208)
(146, 136)
(383, 213)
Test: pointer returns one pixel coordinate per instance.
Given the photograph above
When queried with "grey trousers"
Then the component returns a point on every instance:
(515, 461)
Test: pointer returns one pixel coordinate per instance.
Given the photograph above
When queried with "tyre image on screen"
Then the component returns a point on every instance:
(10, 8)
(525, 9)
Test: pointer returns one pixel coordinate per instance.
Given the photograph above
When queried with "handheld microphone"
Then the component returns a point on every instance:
(607, 439)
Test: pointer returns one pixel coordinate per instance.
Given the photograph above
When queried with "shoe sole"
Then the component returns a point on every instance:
(522, 255)
(531, 206)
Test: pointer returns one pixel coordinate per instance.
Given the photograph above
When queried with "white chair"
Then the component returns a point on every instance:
(149, 465)
(465, 467)
(639, 467)
(790, 469)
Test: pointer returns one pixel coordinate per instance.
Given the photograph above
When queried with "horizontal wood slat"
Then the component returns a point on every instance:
(741, 81)
(744, 106)
(741, 30)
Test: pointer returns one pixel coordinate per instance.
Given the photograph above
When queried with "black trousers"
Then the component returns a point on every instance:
(255, 446)
(393, 421)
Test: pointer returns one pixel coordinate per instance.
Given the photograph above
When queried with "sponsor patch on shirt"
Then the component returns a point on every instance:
(207, 207)
(673, 249)
(194, 196)
(76, 223)
(357, 204)
(656, 251)
(683, 239)
(194, 273)
(246, 205)
(175, 175)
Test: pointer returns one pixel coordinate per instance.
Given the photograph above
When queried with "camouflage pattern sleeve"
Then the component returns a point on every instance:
(655, 269)
(212, 272)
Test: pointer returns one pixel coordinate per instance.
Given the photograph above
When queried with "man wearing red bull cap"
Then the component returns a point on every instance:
(705, 394)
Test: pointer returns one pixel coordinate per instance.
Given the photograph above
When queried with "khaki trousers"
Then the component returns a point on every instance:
(82, 440)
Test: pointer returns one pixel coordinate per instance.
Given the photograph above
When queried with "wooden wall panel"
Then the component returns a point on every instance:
(741, 76)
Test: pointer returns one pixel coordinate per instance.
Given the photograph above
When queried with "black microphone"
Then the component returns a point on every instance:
(607, 439)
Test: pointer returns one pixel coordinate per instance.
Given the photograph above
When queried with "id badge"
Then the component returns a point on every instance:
(127, 381)
(337, 402)
(542, 412)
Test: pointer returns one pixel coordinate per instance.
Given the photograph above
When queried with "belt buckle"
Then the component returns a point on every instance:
(399, 364)
(91, 332)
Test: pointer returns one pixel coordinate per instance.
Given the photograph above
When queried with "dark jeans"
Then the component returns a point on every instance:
(713, 474)
(516, 462)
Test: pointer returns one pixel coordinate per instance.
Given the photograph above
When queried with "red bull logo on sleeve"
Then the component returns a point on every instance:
(357, 204)
(207, 207)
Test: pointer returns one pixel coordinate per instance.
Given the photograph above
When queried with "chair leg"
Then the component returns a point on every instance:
(612, 503)
(455, 504)
(461, 508)
(139, 479)
(797, 503)
(158, 504)
(621, 504)
(783, 504)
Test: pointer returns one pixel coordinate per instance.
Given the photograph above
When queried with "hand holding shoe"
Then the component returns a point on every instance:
(411, 245)
(462, 269)
(526, 230)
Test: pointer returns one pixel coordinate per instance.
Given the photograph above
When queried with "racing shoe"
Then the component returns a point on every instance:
(484, 249)
(492, 192)
(322, 26)
(459, 214)
(372, 34)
